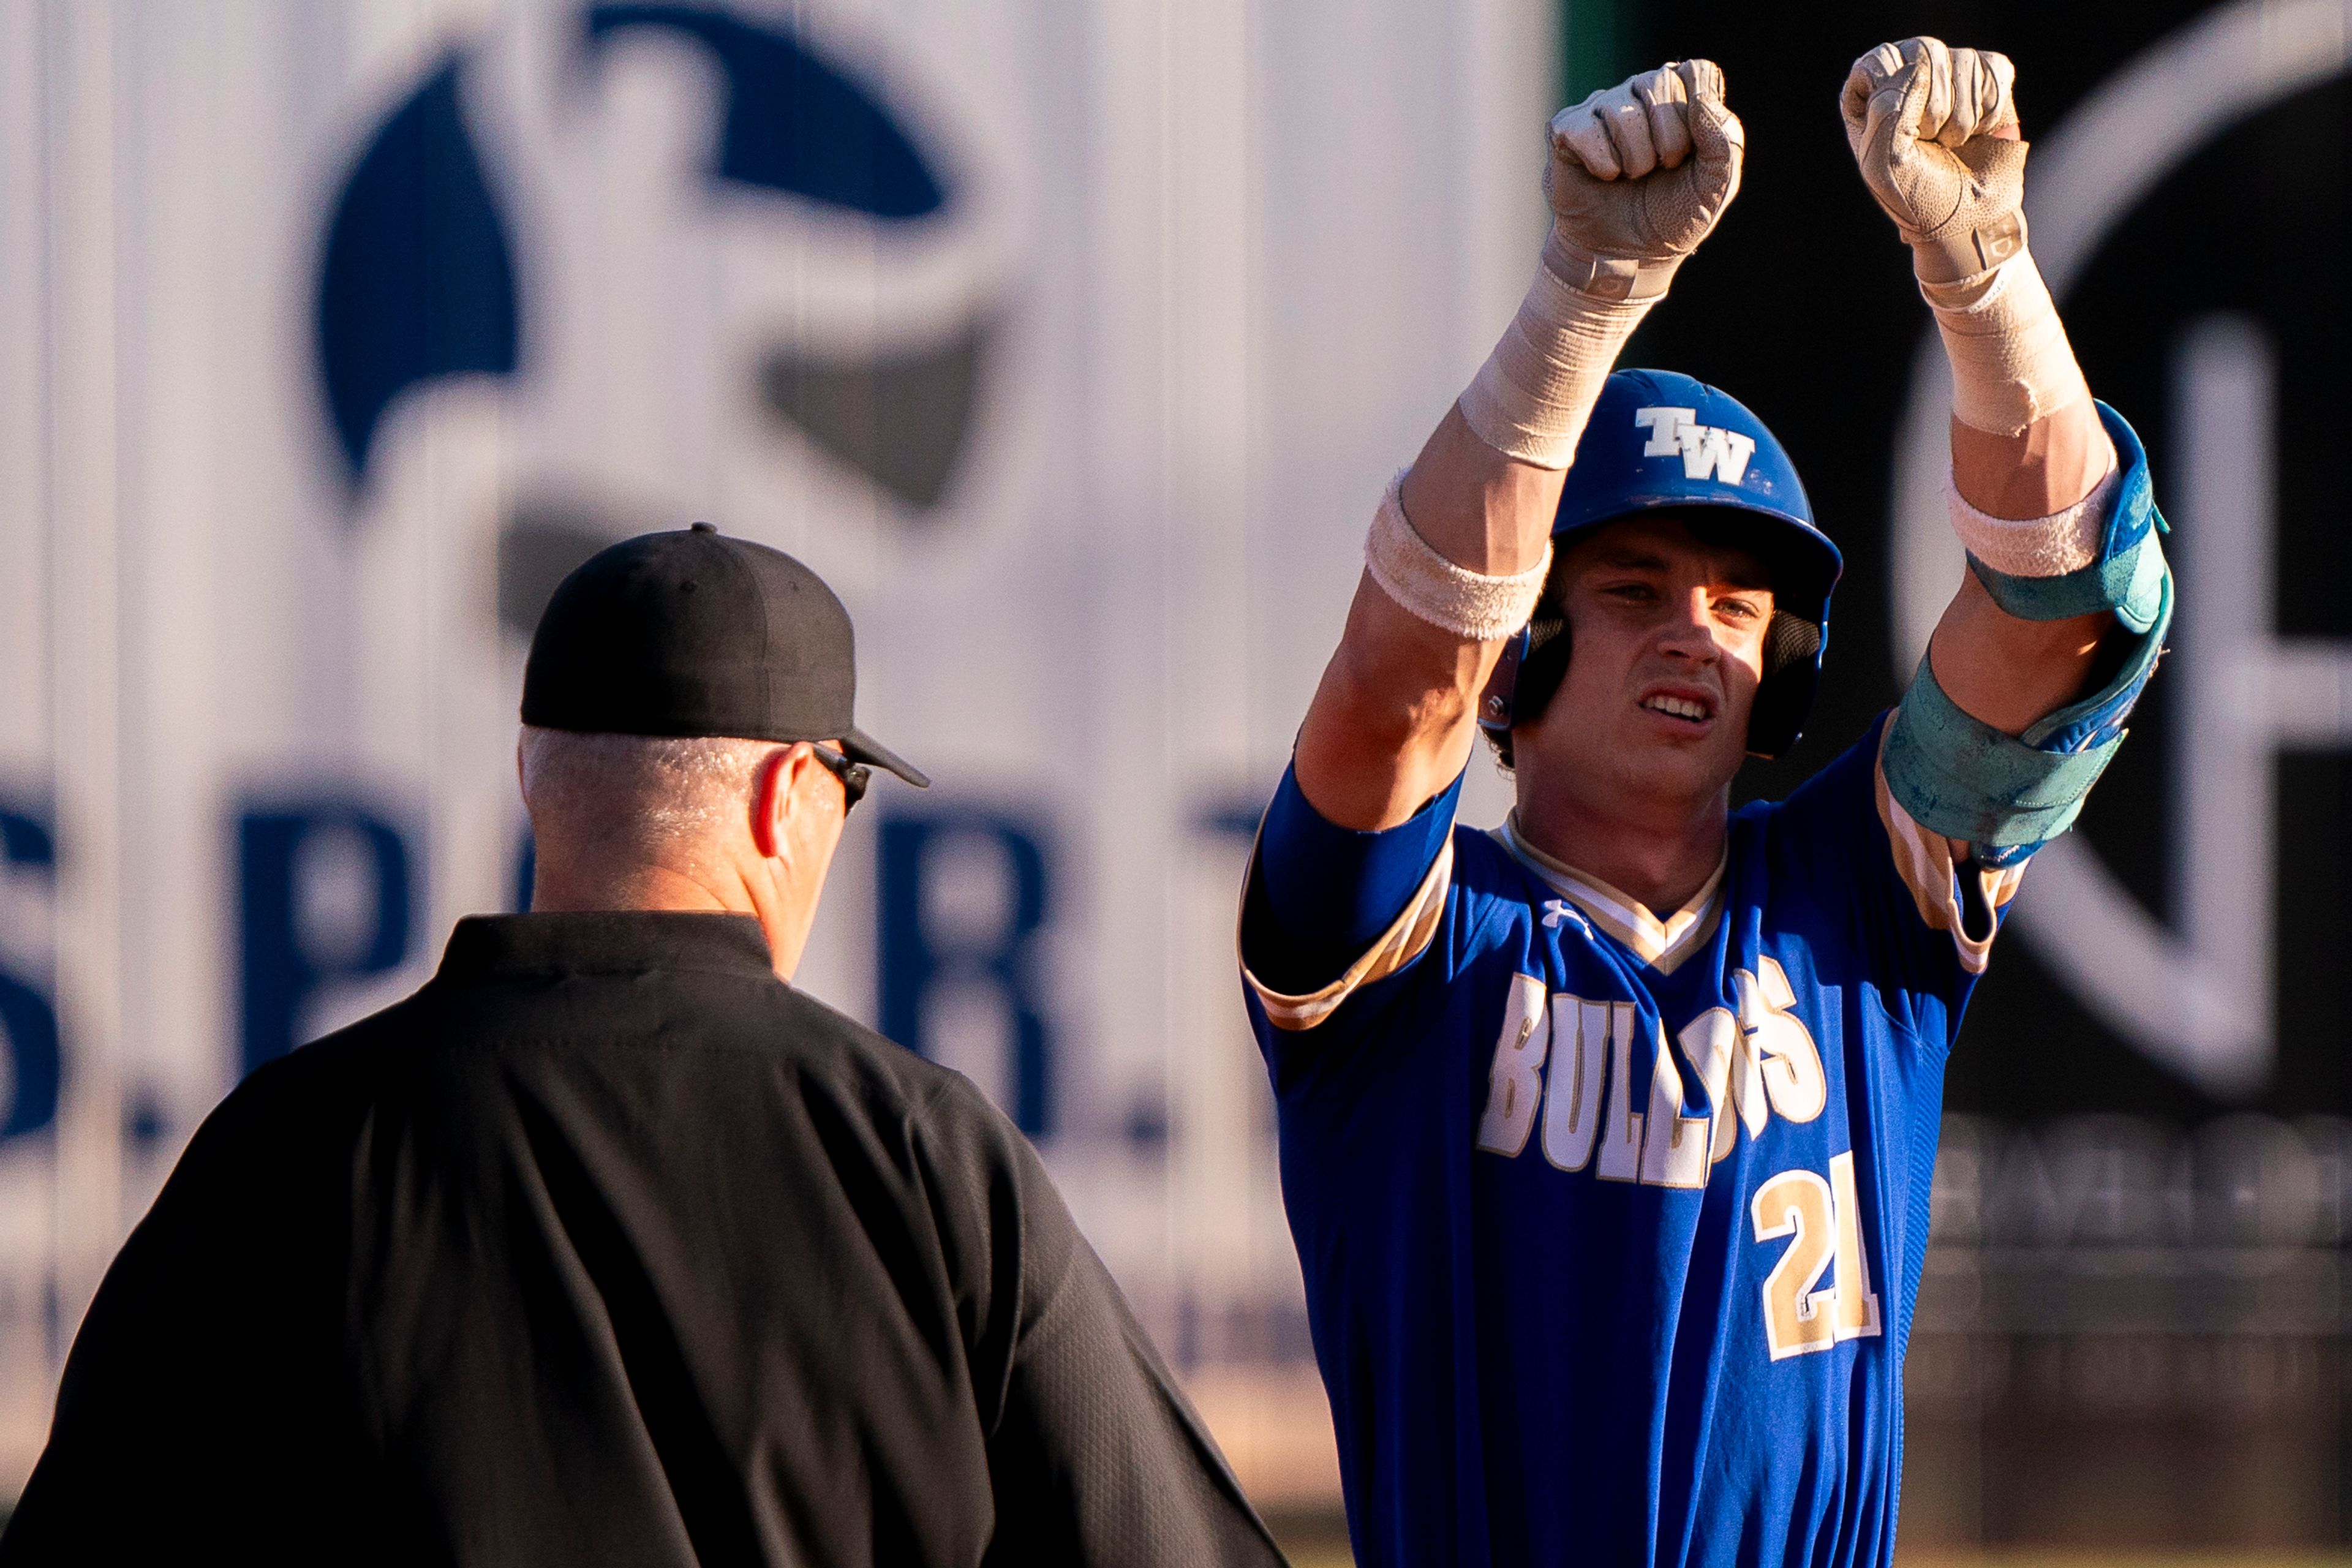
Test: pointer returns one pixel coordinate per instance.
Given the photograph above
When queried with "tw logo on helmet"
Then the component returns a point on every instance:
(1705, 450)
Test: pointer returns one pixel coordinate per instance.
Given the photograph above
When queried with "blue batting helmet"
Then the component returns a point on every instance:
(1662, 442)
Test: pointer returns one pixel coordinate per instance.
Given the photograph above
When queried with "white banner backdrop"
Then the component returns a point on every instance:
(1071, 342)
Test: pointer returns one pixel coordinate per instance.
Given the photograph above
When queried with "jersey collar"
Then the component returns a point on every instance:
(1663, 944)
(491, 948)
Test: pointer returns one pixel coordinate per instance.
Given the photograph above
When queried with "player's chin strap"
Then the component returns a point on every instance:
(2008, 795)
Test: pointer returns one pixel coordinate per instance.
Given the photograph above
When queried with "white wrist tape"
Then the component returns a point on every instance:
(2050, 546)
(1472, 606)
(2010, 362)
(1533, 394)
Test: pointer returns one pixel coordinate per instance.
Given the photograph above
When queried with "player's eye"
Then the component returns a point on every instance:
(1742, 610)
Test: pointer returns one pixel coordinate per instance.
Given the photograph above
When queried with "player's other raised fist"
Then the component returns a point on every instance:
(1934, 133)
(1641, 172)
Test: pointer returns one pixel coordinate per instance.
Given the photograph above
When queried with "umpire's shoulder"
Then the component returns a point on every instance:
(831, 1039)
(934, 1127)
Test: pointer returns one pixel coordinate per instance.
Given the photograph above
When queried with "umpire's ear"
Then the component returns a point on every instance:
(798, 806)
(784, 797)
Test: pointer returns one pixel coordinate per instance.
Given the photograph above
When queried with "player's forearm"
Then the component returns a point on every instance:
(1636, 175)
(1936, 135)
(1462, 540)
(2007, 671)
(2011, 673)
(2056, 627)
(1390, 725)
(2027, 443)
(2031, 502)
(1457, 555)
(1483, 511)
(2044, 469)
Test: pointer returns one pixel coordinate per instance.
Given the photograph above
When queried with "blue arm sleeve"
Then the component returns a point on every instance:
(1328, 891)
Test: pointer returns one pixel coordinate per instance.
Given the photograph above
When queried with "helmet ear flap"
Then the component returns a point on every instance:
(1523, 683)
(1545, 667)
(1792, 653)
(1791, 640)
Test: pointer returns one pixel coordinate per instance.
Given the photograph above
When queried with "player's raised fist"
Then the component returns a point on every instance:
(1934, 133)
(1643, 170)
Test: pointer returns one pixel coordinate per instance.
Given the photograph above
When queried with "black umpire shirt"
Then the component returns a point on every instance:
(609, 1246)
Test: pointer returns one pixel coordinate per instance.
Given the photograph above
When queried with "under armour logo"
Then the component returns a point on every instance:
(1705, 450)
(1558, 910)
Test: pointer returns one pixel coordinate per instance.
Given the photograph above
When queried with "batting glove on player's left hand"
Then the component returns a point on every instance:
(1935, 132)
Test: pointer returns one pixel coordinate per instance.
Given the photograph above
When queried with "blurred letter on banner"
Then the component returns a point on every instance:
(288, 957)
(961, 895)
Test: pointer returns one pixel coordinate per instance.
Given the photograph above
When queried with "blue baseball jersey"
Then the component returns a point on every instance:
(1612, 1222)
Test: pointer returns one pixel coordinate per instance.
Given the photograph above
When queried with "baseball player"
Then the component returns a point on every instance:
(1607, 1135)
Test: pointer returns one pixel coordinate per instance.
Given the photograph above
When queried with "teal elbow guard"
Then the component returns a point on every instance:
(2007, 795)
(2129, 574)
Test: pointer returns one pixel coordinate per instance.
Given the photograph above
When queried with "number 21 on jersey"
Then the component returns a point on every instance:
(1754, 1065)
(1822, 1221)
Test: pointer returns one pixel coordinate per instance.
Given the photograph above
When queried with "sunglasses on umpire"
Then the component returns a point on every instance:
(854, 776)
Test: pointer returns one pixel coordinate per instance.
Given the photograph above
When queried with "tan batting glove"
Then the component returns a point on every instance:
(1637, 175)
(1640, 173)
(1935, 132)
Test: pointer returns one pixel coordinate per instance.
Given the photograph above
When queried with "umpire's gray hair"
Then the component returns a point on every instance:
(636, 790)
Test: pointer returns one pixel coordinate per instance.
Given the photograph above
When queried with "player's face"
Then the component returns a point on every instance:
(1668, 645)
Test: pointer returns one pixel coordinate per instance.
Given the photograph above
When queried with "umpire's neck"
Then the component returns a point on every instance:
(766, 858)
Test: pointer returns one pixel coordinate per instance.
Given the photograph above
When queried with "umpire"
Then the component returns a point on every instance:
(609, 1245)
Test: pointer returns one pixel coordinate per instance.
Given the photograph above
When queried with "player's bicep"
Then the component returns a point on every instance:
(1391, 721)
(1328, 910)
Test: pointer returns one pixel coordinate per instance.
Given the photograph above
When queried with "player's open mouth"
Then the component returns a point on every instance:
(1687, 709)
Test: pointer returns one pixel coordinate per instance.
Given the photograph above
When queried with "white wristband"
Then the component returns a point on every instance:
(2065, 541)
(1472, 606)
(2010, 362)
(1532, 396)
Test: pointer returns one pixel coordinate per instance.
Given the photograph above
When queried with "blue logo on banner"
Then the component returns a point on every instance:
(283, 964)
(918, 962)
(418, 278)
(28, 1019)
(794, 123)
(418, 281)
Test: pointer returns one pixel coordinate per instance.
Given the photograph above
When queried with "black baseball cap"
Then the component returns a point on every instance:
(692, 633)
